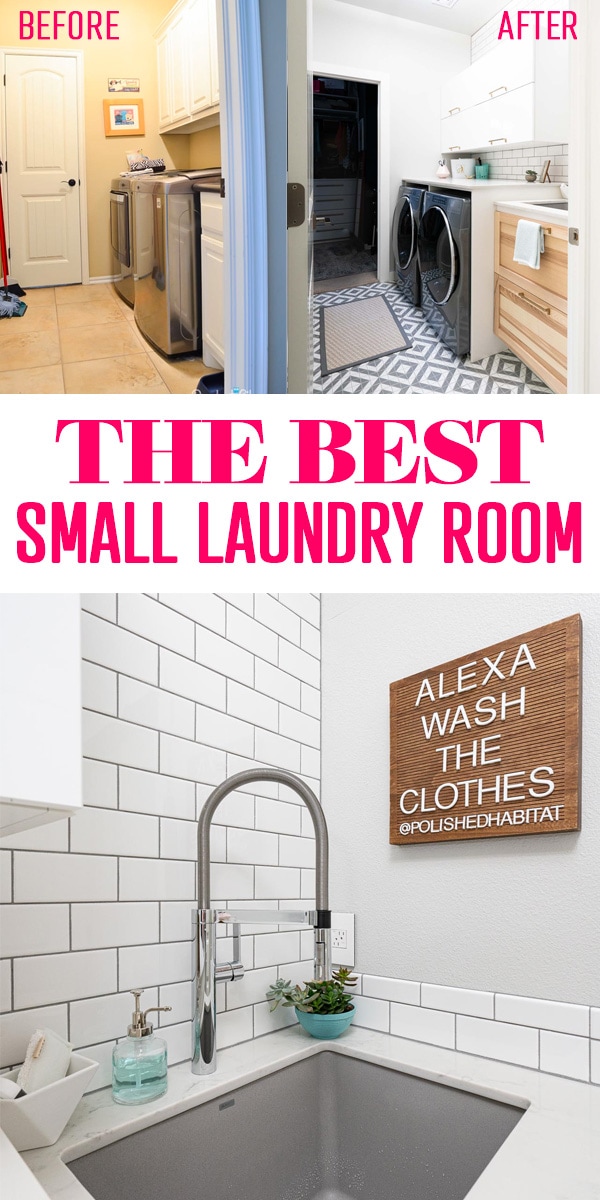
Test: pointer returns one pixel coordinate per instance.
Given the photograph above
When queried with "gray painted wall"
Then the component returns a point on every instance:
(520, 915)
(273, 22)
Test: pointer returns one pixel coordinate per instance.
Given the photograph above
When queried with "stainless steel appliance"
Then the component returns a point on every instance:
(166, 231)
(121, 235)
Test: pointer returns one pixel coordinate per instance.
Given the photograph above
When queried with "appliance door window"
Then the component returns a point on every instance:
(404, 235)
(438, 257)
(119, 227)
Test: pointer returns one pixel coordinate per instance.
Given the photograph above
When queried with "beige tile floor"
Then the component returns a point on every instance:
(84, 339)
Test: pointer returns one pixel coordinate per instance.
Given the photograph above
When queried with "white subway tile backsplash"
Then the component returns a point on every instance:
(49, 878)
(304, 604)
(298, 725)
(179, 839)
(251, 989)
(299, 663)
(279, 684)
(156, 879)
(273, 948)
(34, 929)
(115, 648)
(189, 760)
(5, 985)
(154, 621)
(252, 846)
(307, 884)
(310, 761)
(296, 852)
(277, 816)
(278, 751)
(310, 700)
(544, 1014)
(251, 706)
(595, 1022)
(220, 655)
(246, 632)
(179, 997)
(493, 1039)
(236, 809)
(234, 1027)
(422, 1025)
(310, 640)
(156, 708)
(191, 679)
(54, 836)
(595, 1062)
(122, 924)
(17, 1028)
(176, 920)
(102, 1054)
(157, 795)
(145, 966)
(561, 1054)
(204, 607)
(272, 882)
(372, 1014)
(402, 991)
(179, 1041)
(241, 600)
(225, 732)
(104, 1017)
(266, 1021)
(103, 604)
(458, 1000)
(277, 617)
(119, 742)
(99, 688)
(232, 879)
(100, 784)
(102, 831)
(54, 977)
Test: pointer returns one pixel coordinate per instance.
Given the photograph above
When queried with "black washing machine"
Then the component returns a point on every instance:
(405, 231)
(445, 262)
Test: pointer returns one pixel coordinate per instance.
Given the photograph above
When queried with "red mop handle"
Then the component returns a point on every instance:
(3, 244)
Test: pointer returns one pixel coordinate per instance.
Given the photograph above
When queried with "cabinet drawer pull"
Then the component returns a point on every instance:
(454, 110)
(539, 307)
(454, 148)
(494, 140)
(498, 89)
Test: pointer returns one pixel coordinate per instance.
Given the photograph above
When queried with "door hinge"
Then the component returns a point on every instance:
(574, 237)
(296, 205)
(223, 193)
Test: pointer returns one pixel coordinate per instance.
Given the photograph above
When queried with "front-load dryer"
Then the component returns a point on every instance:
(445, 262)
(405, 231)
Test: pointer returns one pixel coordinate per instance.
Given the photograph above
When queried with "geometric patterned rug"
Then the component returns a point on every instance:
(428, 367)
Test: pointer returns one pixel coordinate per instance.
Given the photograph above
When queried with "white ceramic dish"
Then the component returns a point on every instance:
(39, 1119)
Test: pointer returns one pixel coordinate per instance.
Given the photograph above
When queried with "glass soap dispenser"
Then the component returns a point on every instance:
(139, 1071)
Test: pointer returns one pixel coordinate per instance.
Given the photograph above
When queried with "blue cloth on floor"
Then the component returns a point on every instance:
(529, 245)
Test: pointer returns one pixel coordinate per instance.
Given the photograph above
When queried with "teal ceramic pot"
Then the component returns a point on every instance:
(325, 1025)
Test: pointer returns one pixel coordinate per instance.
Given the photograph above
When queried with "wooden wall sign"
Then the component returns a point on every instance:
(489, 745)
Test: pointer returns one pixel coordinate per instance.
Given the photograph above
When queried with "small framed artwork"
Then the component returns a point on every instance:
(123, 85)
(545, 172)
(123, 119)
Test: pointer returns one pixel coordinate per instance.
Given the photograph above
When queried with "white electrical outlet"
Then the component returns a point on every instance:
(342, 939)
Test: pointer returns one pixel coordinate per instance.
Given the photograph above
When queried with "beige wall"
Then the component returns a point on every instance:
(205, 148)
(133, 55)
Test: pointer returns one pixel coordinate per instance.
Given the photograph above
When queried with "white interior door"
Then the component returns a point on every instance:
(43, 175)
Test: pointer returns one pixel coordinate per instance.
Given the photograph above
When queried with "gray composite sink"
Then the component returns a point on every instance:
(330, 1127)
(562, 204)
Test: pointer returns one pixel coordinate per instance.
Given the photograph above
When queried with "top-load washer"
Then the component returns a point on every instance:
(121, 235)
(445, 262)
(405, 233)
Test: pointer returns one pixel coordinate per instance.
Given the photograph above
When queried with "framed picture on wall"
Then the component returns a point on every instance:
(123, 119)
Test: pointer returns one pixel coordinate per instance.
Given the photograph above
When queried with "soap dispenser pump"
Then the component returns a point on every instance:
(140, 1061)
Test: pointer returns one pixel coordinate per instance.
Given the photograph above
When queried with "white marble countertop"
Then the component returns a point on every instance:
(535, 212)
(552, 190)
(552, 1154)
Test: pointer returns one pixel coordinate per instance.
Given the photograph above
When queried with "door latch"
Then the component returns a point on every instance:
(574, 238)
(296, 205)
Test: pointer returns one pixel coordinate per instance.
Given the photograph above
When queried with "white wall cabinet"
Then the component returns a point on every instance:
(40, 709)
(213, 281)
(188, 67)
(517, 94)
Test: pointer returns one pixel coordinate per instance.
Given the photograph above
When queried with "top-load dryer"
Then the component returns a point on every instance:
(445, 262)
(405, 233)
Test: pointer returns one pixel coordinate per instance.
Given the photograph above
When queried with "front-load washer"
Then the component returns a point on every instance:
(405, 232)
(445, 262)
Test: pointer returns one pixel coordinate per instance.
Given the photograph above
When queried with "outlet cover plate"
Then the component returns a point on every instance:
(343, 923)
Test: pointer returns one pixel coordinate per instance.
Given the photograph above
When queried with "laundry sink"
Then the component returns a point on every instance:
(562, 204)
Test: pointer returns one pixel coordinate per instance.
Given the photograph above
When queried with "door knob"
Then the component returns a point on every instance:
(71, 182)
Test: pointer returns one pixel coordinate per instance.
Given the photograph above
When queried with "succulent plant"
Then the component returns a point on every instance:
(325, 996)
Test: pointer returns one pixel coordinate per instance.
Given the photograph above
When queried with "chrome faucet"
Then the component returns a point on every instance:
(208, 974)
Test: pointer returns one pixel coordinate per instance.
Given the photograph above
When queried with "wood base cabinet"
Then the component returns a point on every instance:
(531, 307)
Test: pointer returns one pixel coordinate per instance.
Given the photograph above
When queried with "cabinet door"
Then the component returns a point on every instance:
(199, 52)
(165, 102)
(213, 291)
(508, 119)
(214, 51)
(460, 131)
(179, 66)
(507, 68)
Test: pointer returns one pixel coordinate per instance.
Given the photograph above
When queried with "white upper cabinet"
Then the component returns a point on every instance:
(188, 67)
(40, 709)
(517, 93)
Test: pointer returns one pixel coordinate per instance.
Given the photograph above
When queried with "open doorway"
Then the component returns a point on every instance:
(346, 168)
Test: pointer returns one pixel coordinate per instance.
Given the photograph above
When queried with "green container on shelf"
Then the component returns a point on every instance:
(483, 171)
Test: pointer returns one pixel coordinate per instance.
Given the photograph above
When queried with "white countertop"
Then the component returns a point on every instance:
(552, 190)
(535, 212)
(552, 1154)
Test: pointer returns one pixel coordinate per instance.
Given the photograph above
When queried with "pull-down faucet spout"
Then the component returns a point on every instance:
(206, 919)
